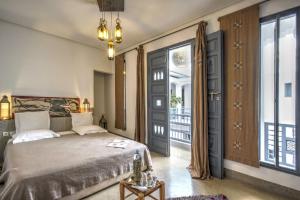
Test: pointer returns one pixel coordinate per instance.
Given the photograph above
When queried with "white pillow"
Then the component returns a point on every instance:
(62, 133)
(33, 135)
(83, 130)
(26, 121)
(82, 119)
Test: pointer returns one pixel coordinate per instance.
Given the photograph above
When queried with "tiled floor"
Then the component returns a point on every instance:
(179, 183)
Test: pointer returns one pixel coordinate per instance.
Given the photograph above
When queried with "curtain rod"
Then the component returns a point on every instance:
(176, 31)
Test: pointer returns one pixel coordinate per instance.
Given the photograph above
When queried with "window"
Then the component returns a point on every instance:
(279, 78)
(288, 90)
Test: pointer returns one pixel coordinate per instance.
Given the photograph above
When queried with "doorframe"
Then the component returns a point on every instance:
(168, 48)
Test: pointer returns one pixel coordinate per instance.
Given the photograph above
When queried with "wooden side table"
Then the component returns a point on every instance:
(141, 195)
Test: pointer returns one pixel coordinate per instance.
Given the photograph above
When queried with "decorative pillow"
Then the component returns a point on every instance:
(82, 119)
(61, 133)
(33, 135)
(83, 130)
(26, 121)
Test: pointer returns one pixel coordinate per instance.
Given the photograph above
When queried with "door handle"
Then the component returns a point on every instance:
(212, 94)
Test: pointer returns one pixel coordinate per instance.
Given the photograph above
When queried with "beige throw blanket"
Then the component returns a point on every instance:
(58, 167)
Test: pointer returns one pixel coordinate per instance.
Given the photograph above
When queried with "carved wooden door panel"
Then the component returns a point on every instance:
(215, 103)
(158, 102)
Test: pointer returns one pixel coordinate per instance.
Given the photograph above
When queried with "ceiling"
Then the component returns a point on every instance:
(77, 20)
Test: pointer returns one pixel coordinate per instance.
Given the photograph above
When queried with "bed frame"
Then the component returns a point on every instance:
(59, 121)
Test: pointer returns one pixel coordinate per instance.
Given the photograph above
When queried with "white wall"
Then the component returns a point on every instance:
(275, 6)
(38, 64)
(99, 96)
(213, 25)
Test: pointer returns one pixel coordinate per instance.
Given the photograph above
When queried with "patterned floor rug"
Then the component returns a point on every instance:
(201, 197)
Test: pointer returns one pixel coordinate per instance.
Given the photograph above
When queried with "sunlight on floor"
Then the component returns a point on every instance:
(180, 153)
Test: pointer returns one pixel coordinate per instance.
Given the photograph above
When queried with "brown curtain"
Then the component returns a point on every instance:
(199, 167)
(120, 86)
(140, 128)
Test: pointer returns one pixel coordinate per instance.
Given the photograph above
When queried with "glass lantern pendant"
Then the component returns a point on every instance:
(111, 49)
(105, 30)
(118, 31)
(102, 30)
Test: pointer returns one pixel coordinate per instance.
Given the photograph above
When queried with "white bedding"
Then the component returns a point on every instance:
(84, 130)
(82, 119)
(33, 135)
(27, 121)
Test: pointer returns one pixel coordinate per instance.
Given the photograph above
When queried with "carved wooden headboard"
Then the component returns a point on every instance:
(57, 106)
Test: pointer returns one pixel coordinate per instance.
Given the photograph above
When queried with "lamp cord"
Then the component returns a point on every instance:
(111, 25)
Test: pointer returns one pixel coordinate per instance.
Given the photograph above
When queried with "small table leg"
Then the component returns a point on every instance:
(122, 191)
(141, 196)
(162, 191)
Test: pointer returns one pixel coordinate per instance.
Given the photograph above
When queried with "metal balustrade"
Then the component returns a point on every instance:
(286, 144)
(180, 125)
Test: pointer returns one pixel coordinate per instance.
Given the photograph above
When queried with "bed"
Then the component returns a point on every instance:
(71, 166)
(68, 167)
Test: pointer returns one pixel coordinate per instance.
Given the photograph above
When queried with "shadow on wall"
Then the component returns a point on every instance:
(100, 96)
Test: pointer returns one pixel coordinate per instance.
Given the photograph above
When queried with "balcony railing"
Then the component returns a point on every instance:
(180, 125)
(286, 144)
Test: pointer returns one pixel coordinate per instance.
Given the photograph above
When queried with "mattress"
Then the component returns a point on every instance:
(62, 167)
